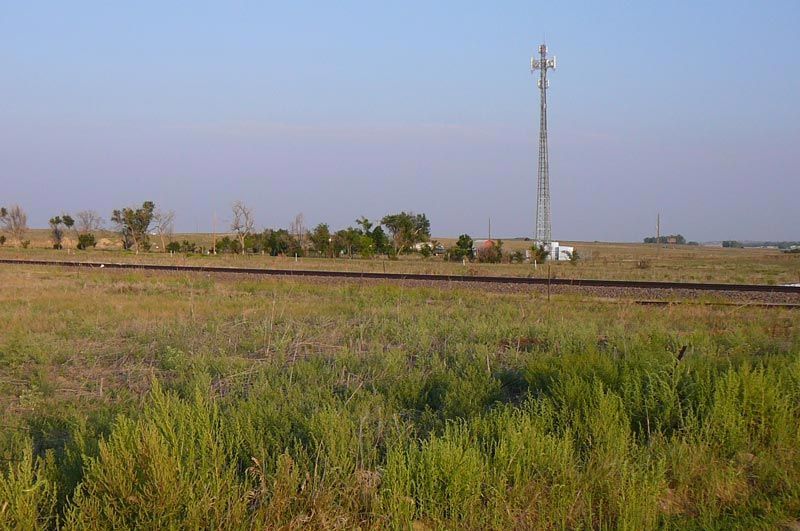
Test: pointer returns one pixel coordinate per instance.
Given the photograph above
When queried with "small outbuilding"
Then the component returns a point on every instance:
(559, 252)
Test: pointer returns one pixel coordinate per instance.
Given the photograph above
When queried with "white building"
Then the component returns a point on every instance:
(559, 252)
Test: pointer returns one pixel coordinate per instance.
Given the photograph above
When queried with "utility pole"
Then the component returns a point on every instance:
(543, 229)
(214, 234)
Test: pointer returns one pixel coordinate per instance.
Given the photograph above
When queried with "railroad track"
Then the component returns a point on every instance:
(588, 283)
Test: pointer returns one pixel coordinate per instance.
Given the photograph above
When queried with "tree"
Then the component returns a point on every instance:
(380, 240)
(68, 221)
(88, 221)
(134, 225)
(400, 226)
(163, 224)
(298, 229)
(243, 222)
(465, 244)
(377, 241)
(56, 232)
(347, 241)
(365, 246)
(15, 222)
(407, 229)
(463, 248)
(365, 224)
(278, 242)
(321, 239)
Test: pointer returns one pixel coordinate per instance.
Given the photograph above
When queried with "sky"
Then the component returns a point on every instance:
(347, 109)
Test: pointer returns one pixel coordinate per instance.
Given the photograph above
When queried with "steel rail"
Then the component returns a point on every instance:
(594, 283)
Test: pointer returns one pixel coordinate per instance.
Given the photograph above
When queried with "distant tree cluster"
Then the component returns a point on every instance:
(733, 244)
(366, 239)
(786, 245)
(672, 238)
(14, 221)
(183, 247)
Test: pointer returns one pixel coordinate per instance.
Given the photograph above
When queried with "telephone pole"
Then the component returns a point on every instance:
(543, 229)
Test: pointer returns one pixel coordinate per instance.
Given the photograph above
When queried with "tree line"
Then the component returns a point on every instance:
(392, 235)
(138, 226)
(672, 238)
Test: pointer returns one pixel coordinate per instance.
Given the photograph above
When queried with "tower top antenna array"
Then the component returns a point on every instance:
(542, 233)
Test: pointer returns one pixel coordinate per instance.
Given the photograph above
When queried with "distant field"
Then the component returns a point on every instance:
(598, 260)
(165, 400)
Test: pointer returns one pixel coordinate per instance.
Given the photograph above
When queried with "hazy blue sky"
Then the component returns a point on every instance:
(342, 109)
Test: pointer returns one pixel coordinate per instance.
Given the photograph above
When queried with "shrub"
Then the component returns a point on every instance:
(85, 241)
(490, 254)
(169, 470)
(27, 496)
(539, 253)
(227, 245)
(183, 247)
(574, 257)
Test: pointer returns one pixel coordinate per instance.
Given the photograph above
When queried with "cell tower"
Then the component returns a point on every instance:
(543, 232)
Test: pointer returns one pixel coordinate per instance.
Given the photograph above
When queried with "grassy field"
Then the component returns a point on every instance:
(599, 260)
(167, 400)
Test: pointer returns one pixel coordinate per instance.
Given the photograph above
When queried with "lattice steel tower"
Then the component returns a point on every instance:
(543, 233)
